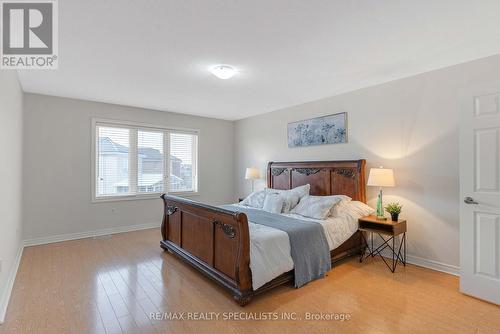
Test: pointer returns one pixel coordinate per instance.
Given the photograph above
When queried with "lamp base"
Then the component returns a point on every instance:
(380, 208)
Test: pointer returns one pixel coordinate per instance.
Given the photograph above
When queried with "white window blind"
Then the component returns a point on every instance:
(182, 162)
(150, 162)
(113, 161)
(131, 161)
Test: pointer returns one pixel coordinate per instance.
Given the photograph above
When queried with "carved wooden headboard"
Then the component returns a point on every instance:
(325, 177)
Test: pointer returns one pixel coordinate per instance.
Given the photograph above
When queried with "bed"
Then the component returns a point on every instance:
(216, 241)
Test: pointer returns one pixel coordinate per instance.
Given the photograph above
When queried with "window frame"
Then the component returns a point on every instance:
(138, 126)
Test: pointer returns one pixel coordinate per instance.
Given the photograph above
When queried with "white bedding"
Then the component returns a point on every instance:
(270, 254)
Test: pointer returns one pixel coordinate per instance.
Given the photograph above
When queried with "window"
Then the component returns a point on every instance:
(130, 160)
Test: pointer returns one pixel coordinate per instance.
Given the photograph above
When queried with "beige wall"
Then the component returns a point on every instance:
(10, 172)
(410, 125)
(57, 168)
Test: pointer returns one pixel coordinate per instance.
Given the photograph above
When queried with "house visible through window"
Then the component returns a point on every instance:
(131, 161)
(150, 162)
(181, 161)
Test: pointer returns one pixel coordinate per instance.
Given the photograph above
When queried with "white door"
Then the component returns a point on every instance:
(480, 193)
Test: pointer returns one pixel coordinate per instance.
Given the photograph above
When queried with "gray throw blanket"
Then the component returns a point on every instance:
(309, 247)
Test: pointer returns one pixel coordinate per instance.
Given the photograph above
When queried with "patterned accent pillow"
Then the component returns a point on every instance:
(317, 207)
(291, 197)
(302, 190)
(343, 199)
(255, 199)
(354, 208)
(273, 203)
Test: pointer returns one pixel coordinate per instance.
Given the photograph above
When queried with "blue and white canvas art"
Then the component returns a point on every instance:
(331, 129)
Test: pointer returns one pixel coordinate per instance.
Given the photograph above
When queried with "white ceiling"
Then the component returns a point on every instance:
(155, 53)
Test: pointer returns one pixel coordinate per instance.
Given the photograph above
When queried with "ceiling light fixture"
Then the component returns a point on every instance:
(223, 71)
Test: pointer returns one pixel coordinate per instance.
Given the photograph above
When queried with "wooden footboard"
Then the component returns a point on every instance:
(213, 240)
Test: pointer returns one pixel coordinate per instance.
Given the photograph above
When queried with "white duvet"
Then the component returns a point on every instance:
(270, 254)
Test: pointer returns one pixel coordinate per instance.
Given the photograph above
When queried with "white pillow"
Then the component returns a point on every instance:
(343, 198)
(354, 208)
(291, 197)
(302, 190)
(255, 199)
(317, 207)
(273, 203)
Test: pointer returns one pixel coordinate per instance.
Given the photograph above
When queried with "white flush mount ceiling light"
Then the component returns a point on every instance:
(223, 71)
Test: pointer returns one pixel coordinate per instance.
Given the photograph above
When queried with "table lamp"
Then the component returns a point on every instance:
(381, 177)
(253, 174)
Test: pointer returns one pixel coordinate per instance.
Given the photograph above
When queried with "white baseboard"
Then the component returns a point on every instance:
(89, 234)
(434, 265)
(429, 264)
(5, 296)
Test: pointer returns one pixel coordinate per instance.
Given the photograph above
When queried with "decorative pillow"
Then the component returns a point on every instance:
(343, 199)
(273, 203)
(301, 191)
(255, 199)
(354, 208)
(317, 207)
(291, 197)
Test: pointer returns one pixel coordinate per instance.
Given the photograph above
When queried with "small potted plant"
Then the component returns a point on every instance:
(394, 209)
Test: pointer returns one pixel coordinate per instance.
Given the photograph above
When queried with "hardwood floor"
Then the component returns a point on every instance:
(112, 284)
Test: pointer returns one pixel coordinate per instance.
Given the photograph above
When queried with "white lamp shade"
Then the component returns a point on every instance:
(252, 173)
(381, 177)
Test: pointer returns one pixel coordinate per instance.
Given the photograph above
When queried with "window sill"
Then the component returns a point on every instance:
(185, 193)
(142, 197)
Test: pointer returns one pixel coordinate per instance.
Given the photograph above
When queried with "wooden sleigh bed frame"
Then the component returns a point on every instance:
(217, 242)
